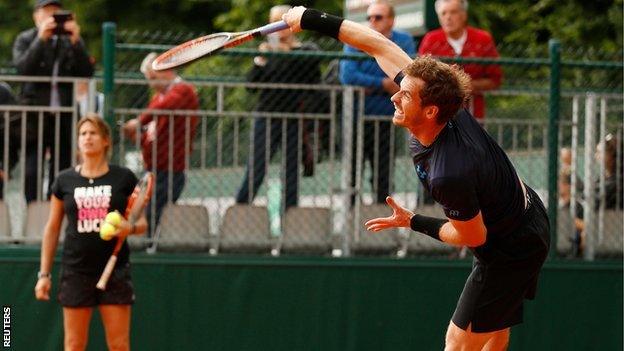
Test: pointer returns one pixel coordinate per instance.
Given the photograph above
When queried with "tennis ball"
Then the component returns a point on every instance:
(107, 231)
(113, 218)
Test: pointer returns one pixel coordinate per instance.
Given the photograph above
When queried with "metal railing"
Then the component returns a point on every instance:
(223, 148)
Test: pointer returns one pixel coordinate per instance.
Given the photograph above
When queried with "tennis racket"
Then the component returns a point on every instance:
(136, 203)
(210, 45)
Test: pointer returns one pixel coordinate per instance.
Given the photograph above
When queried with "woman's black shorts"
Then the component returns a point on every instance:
(78, 289)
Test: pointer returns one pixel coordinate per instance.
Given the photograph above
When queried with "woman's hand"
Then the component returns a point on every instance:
(42, 289)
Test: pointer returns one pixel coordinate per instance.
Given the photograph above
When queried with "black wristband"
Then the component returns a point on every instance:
(427, 225)
(321, 22)
(399, 77)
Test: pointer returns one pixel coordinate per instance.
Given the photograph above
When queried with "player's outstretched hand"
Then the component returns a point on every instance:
(293, 18)
(400, 218)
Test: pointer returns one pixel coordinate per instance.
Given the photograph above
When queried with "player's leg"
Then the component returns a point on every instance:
(498, 342)
(116, 320)
(76, 324)
(458, 339)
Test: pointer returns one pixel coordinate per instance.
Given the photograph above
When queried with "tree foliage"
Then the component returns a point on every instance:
(526, 24)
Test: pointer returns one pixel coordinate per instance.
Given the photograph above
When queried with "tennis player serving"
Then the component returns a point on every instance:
(487, 206)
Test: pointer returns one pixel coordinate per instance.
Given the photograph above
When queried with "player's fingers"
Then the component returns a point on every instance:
(379, 227)
(377, 220)
(390, 201)
(382, 223)
(41, 293)
(293, 18)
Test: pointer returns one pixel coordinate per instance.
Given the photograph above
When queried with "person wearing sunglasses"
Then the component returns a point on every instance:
(379, 88)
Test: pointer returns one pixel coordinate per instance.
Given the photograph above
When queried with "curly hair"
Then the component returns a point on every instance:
(446, 86)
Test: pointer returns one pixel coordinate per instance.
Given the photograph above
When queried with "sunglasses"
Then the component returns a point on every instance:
(375, 17)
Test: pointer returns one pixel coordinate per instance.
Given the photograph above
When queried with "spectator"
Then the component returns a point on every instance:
(82, 100)
(457, 39)
(46, 50)
(7, 98)
(565, 202)
(379, 88)
(291, 70)
(172, 93)
(607, 153)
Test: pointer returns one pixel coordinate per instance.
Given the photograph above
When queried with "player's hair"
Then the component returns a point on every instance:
(463, 3)
(388, 4)
(101, 126)
(446, 86)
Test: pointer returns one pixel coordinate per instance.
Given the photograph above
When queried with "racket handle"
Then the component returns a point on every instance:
(272, 27)
(108, 270)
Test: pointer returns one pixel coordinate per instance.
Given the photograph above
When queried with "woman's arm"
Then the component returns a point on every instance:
(48, 248)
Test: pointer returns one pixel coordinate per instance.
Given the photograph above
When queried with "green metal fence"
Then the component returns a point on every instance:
(530, 114)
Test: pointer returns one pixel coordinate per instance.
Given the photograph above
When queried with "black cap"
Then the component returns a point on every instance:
(42, 3)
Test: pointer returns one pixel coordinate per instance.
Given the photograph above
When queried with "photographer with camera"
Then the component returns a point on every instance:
(53, 48)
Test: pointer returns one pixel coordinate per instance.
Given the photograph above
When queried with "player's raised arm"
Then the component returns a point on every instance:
(388, 55)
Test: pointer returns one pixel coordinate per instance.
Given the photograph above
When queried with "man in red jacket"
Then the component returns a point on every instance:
(169, 159)
(456, 39)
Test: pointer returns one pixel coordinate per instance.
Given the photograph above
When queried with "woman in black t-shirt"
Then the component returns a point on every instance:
(86, 194)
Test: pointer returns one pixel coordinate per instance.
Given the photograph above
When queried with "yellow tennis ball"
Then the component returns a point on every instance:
(113, 218)
(107, 231)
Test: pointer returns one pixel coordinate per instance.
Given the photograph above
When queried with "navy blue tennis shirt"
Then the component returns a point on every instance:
(466, 171)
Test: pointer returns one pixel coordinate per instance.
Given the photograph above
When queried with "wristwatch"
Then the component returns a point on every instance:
(43, 275)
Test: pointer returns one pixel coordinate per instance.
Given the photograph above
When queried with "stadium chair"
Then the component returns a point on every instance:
(181, 228)
(5, 223)
(420, 244)
(612, 240)
(37, 213)
(244, 229)
(306, 230)
(385, 242)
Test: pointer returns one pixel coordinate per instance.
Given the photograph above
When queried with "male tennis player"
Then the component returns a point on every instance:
(488, 208)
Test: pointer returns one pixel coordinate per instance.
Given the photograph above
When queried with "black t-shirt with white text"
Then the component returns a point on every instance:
(86, 205)
(466, 171)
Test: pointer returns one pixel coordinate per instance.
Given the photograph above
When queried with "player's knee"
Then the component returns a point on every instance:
(455, 338)
(458, 339)
(120, 343)
(75, 343)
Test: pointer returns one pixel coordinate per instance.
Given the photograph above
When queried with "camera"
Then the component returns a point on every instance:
(60, 17)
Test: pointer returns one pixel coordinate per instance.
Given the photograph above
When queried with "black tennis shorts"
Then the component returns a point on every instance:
(505, 273)
(78, 289)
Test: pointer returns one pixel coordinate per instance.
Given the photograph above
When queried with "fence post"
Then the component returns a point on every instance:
(347, 157)
(553, 139)
(589, 216)
(108, 50)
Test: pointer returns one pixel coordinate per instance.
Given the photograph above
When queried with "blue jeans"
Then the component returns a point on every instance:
(161, 196)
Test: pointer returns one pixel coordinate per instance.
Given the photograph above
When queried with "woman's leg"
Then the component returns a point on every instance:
(116, 320)
(76, 324)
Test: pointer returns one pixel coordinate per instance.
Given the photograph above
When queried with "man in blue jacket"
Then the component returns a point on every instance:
(379, 88)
